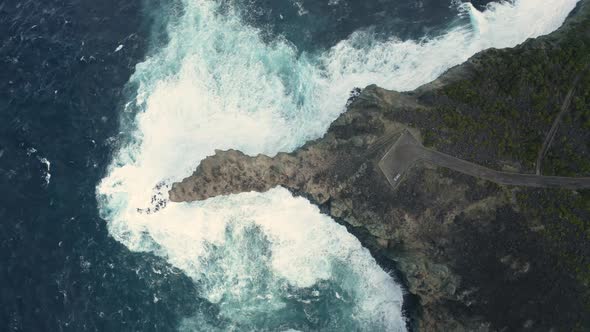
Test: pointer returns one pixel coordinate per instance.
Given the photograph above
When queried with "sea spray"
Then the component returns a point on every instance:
(269, 260)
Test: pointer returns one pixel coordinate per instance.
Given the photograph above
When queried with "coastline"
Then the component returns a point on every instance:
(454, 239)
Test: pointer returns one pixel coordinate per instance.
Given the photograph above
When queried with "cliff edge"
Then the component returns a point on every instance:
(478, 256)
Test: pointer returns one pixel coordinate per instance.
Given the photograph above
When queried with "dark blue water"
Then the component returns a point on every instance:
(62, 86)
(60, 89)
(313, 24)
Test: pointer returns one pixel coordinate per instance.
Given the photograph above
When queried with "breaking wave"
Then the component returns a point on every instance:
(271, 261)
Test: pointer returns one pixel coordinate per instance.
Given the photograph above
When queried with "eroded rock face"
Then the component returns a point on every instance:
(413, 224)
(462, 245)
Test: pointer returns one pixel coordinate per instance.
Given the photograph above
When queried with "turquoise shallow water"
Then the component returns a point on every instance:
(105, 108)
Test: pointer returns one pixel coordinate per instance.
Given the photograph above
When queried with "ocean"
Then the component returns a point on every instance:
(104, 104)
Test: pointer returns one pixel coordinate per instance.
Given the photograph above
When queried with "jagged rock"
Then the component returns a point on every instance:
(462, 245)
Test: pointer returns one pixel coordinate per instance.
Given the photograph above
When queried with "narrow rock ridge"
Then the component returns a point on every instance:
(464, 246)
(322, 168)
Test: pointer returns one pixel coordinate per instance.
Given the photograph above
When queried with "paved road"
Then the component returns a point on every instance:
(407, 151)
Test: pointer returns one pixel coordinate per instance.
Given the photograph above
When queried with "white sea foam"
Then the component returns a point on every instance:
(46, 172)
(404, 65)
(47, 164)
(217, 85)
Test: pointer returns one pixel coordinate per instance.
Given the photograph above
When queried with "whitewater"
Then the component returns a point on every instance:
(271, 261)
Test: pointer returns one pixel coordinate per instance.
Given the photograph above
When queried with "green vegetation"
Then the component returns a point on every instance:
(504, 112)
(508, 106)
(565, 216)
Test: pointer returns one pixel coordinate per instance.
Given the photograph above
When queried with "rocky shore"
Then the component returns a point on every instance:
(477, 256)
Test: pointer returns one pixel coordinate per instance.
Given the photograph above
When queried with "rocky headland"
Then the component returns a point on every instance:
(474, 255)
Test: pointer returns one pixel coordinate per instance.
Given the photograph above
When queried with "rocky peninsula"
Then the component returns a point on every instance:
(474, 255)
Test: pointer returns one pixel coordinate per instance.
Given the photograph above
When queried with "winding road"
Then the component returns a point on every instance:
(407, 151)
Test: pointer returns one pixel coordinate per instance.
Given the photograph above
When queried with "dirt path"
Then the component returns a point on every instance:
(551, 134)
